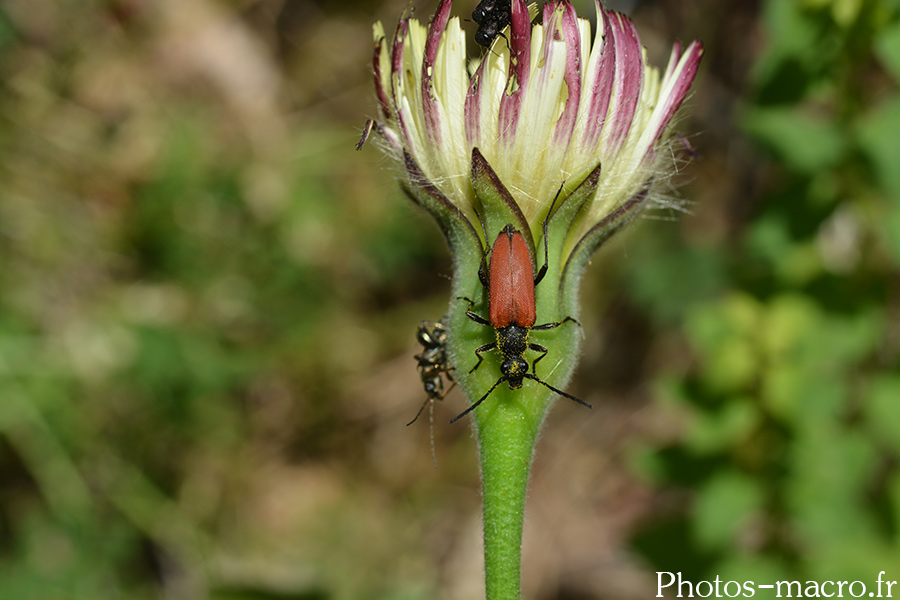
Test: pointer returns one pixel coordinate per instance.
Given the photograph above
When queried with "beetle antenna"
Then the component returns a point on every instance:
(560, 392)
(482, 399)
(553, 204)
(483, 228)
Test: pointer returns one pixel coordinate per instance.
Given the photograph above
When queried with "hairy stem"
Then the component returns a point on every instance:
(506, 436)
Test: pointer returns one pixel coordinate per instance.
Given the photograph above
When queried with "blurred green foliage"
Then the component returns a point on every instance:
(187, 275)
(791, 404)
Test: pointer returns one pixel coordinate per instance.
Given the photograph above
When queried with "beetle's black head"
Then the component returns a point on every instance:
(514, 369)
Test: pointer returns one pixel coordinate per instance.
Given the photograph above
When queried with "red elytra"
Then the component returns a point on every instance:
(511, 281)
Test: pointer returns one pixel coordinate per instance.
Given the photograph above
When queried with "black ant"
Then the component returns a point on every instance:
(432, 366)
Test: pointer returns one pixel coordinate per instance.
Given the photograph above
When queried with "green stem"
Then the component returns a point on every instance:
(507, 421)
(506, 442)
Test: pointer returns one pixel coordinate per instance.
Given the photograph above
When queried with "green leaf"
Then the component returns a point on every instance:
(723, 506)
(887, 49)
(783, 71)
(714, 432)
(725, 333)
(806, 143)
(883, 409)
(892, 225)
(878, 139)
(829, 468)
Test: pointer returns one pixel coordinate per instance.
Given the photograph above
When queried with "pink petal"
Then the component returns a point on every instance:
(629, 79)
(379, 88)
(473, 106)
(519, 69)
(399, 46)
(429, 103)
(570, 33)
(602, 83)
(682, 85)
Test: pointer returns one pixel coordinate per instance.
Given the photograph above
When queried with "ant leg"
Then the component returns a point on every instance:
(555, 324)
(560, 392)
(427, 401)
(537, 348)
(480, 400)
(430, 399)
(434, 388)
(478, 352)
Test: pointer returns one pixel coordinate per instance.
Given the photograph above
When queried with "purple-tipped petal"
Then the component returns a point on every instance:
(519, 69)
(379, 87)
(473, 107)
(568, 28)
(602, 78)
(674, 99)
(397, 52)
(674, 56)
(398, 46)
(429, 102)
(629, 80)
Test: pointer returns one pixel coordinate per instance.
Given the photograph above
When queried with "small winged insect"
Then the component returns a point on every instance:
(510, 281)
(492, 16)
(433, 367)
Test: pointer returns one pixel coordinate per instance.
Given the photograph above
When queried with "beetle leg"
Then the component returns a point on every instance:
(537, 348)
(478, 352)
(555, 324)
(474, 316)
(543, 270)
(480, 400)
(482, 271)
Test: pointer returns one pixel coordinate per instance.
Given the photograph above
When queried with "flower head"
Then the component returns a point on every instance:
(548, 145)
(547, 104)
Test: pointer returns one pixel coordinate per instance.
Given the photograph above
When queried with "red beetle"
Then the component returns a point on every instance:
(511, 311)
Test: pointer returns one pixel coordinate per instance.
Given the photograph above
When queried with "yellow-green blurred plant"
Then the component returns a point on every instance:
(792, 413)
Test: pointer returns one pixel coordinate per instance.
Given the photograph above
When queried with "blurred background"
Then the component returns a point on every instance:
(208, 302)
